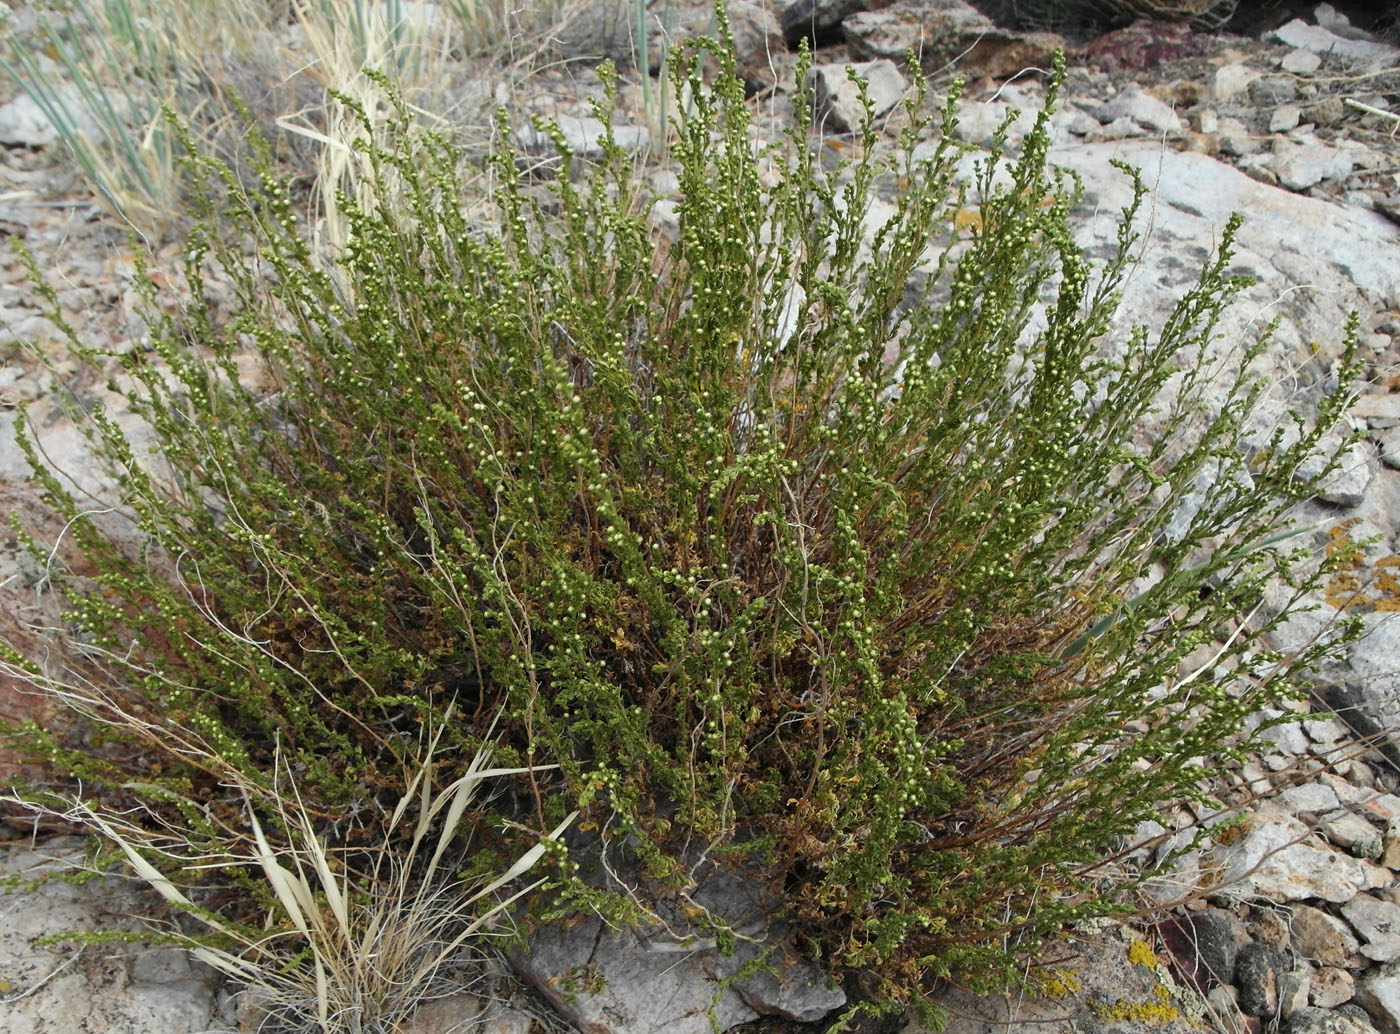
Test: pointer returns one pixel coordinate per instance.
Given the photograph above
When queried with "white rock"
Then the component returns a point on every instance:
(1144, 109)
(837, 99)
(583, 136)
(1315, 38)
(1378, 924)
(1314, 797)
(1301, 62)
(1231, 80)
(978, 122)
(1378, 411)
(1349, 830)
(61, 988)
(1299, 166)
(1284, 118)
(1278, 859)
(1378, 992)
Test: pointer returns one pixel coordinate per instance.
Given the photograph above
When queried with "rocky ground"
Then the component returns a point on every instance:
(1288, 920)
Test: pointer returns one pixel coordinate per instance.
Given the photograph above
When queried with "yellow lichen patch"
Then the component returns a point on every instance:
(1141, 955)
(1155, 1012)
(1354, 585)
(1057, 983)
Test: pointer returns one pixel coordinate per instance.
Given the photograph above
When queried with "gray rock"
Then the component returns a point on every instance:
(1378, 924)
(1378, 410)
(1345, 486)
(1231, 80)
(1315, 38)
(1365, 689)
(64, 987)
(1193, 195)
(1299, 166)
(1389, 442)
(1314, 797)
(1268, 91)
(1325, 1021)
(944, 33)
(1284, 118)
(1321, 937)
(1278, 859)
(1378, 992)
(24, 124)
(814, 17)
(582, 135)
(1349, 830)
(837, 99)
(462, 1012)
(646, 981)
(979, 121)
(1259, 974)
(1301, 62)
(1144, 109)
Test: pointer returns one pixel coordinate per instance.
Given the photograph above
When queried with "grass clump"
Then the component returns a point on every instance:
(789, 545)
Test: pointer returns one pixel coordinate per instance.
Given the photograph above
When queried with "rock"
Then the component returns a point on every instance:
(1378, 923)
(1144, 44)
(947, 32)
(598, 30)
(1259, 974)
(1378, 992)
(1294, 989)
(1267, 91)
(979, 121)
(1194, 195)
(1389, 443)
(1290, 738)
(1284, 118)
(1322, 938)
(1278, 859)
(837, 99)
(1325, 731)
(620, 981)
(1299, 166)
(1326, 112)
(1231, 80)
(1144, 109)
(23, 123)
(1378, 410)
(583, 136)
(1301, 62)
(645, 981)
(1345, 486)
(1331, 986)
(464, 1011)
(1314, 797)
(64, 987)
(1315, 38)
(1325, 1021)
(1203, 947)
(809, 18)
(756, 29)
(1349, 830)
(1366, 687)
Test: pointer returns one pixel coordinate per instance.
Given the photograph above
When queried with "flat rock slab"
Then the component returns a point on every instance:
(1109, 982)
(651, 981)
(68, 988)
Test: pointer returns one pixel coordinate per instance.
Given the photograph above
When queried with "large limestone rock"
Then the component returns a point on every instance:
(71, 988)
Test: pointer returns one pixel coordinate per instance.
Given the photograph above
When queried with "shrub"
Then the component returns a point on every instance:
(809, 551)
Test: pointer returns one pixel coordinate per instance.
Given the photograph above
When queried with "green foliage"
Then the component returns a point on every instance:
(798, 548)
